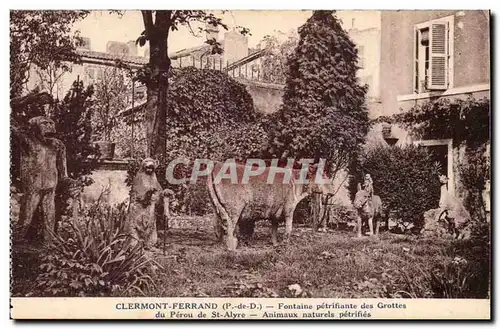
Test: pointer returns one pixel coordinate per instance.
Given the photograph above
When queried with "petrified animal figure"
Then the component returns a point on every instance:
(239, 205)
(43, 167)
(452, 212)
(368, 207)
(145, 193)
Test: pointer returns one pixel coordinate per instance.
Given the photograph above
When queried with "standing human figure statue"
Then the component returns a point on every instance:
(42, 168)
(368, 184)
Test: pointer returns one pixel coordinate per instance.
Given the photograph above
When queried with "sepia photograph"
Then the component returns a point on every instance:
(250, 164)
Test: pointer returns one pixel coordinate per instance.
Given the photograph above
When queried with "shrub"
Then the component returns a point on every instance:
(72, 117)
(467, 275)
(474, 171)
(405, 178)
(324, 113)
(468, 122)
(88, 256)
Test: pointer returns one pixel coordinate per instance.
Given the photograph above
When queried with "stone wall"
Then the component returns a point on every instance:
(267, 97)
(109, 180)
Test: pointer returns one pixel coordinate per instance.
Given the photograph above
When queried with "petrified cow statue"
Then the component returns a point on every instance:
(271, 194)
(369, 208)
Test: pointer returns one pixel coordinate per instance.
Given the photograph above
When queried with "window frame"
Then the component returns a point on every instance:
(450, 20)
(361, 56)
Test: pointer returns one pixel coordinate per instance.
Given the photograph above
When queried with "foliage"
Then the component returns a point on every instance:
(326, 265)
(245, 290)
(51, 75)
(201, 103)
(241, 141)
(210, 116)
(405, 178)
(129, 144)
(72, 117)
(196, 201)
(110, 100)
(42, 38)
(324, 113)
(466, 276)
(274, 62)
(467, 122)
(155, 73)
(474, 171)
(89, 256)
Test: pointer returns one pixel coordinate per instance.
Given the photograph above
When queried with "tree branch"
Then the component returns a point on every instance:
(147, 17)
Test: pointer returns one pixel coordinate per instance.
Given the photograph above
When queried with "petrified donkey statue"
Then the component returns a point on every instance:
(452, 212)
(43, 167)
(369, 208)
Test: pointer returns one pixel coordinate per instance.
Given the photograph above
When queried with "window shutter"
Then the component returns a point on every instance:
(438, 56)
(415, 63)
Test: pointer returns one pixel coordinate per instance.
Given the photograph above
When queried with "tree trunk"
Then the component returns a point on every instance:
(156, 107)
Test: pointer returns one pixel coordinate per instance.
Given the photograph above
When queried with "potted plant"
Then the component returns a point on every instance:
(110, 94)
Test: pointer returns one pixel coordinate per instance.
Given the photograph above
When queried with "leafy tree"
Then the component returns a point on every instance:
(51, 75)
(323, 113)
(72, 117)
(405, 178)
(467, 122)
(211, 116)
(110, 100)
(274, 63)
(157, 27)
(42, 38)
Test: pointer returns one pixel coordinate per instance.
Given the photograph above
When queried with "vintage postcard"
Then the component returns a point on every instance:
(250, 164)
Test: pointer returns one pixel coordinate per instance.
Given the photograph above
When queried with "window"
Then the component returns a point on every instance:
(361, 56)
(433, 55)
(90, 74)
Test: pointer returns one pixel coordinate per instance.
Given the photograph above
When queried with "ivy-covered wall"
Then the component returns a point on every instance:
(466, 121)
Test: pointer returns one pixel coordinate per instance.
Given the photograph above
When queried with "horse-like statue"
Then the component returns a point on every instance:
(369, 207)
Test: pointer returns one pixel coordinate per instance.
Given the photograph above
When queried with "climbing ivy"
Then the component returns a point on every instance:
(210, 115)
(324, 113)
(467, 122)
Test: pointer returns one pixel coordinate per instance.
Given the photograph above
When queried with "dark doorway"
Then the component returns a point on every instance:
(440, 155)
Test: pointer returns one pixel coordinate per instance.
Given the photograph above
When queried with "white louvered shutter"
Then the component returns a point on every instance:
(438, 56)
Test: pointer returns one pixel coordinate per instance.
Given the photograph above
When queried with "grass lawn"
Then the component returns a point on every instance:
(334, 264)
